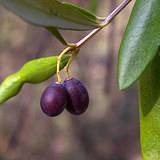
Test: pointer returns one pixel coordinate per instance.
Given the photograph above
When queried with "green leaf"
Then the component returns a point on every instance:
(140, 43)
(93, 6)
(53, 13)
(57, 34)
(150, 111)
(34, 71)
(10, 87)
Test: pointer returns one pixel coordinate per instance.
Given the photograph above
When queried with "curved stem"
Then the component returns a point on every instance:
(67, 67)
(79, 44)
(59, 61)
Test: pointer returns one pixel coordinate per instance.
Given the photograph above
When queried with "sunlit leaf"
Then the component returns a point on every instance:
(150, 111)
(34, 71)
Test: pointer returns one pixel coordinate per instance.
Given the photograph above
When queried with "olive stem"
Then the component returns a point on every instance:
(79, 44)
(59, 61)
(67, 67)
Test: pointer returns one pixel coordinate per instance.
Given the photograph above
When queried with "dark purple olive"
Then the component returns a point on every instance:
(54, 99)
(78, 98)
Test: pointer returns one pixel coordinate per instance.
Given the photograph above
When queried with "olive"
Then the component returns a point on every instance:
(78, 98)
(54, 99)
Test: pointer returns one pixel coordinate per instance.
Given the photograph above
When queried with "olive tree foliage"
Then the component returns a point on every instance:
(138, 59)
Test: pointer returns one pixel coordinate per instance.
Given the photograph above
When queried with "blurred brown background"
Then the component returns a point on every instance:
(109, 130)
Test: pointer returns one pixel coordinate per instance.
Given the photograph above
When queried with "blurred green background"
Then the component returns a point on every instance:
(109, 130)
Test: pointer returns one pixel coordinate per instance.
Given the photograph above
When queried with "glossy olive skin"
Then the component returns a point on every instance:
(54, 99)
(78, 99)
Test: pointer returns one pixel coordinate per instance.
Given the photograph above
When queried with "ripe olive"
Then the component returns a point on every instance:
(54, 99)
(78, 98)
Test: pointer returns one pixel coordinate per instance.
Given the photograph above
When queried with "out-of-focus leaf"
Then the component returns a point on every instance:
(34, 71)
(140, 43)
(53, 13)
(150, 111)
(57, 34)
(93, 6)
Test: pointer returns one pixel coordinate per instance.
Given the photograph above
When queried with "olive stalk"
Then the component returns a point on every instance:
(79, 44)
(67, 67)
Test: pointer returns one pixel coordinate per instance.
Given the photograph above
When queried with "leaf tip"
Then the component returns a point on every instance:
(122, 86)
(123, 83)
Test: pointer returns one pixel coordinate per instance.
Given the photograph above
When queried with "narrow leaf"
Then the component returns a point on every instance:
(53, 13)
(140, 43)
(34, 71)
(93, 6)
(57, 34)
(10, 87)
(150, 111)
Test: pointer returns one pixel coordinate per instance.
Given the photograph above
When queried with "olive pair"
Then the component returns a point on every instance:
(71, 94)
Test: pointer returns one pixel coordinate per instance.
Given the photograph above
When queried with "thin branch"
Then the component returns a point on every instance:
(91, 34)
(105, 23)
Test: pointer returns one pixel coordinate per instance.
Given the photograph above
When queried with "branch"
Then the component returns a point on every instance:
(108, 19)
